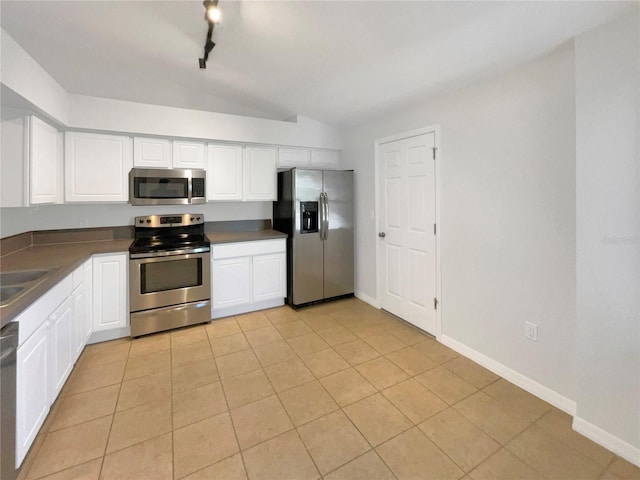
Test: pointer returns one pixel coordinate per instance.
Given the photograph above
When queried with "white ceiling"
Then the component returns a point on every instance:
(334, 61)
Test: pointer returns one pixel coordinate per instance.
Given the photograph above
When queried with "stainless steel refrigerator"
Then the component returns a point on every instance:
(315, 210)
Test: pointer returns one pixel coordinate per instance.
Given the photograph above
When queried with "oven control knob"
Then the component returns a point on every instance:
(192, 219)
(198, 218)
(141, 221)
(148, 220)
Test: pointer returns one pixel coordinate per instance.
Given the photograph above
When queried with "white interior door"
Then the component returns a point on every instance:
(407, 213)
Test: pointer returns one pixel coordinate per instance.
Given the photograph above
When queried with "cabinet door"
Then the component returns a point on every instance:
(224, 172)
(293, 157)
(325, 159)
(151, 152)
(269, 277)
(97, 167)
(61, 347)
(79, 311)
(259, 174)
(32, 397)
(188, 154)
(45, 166)
(230, 282)
(87, 317)
(110, 309)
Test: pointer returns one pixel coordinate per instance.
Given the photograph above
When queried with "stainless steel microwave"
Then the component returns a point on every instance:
(159, 186)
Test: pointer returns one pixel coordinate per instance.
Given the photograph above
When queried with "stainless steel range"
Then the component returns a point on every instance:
(169, 273)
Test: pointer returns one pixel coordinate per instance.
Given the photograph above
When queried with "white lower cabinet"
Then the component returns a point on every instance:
(269, 277)
(87, 319)
(82, 312)
(110, 292)
(32, 389)
(53, 333)
(247, 276)
(231, 282)
(61, 347)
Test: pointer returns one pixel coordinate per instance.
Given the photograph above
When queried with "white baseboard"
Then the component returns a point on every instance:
(608, 441)
(106, 335)
(545, 393)
(246, 308)
(367, 299)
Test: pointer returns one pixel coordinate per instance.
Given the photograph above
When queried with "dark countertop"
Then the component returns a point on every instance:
(65, 258)
(231, 237)
(65, 250)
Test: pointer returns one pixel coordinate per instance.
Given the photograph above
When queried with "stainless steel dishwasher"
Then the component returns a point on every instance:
(8, 348)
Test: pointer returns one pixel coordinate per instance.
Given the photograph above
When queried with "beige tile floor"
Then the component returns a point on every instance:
(334, 391)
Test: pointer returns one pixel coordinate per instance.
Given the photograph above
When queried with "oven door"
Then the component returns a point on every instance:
(157, 282)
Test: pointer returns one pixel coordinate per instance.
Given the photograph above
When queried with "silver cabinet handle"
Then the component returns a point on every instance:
(382, 234)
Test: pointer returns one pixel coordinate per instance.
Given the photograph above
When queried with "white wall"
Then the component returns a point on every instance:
(608, 228)
(508, 219)
(40, 91)
(121, 116)
(24, 76)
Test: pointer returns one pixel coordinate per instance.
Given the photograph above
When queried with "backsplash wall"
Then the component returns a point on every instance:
(52, 217)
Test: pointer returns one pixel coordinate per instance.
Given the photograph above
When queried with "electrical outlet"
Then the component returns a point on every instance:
(531, 331)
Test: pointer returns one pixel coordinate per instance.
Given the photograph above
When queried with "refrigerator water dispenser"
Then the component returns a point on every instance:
(308, 217)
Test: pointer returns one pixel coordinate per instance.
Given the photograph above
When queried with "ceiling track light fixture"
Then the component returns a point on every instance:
(212, 16)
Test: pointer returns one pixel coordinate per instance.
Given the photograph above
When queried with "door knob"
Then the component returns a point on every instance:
(382, 234)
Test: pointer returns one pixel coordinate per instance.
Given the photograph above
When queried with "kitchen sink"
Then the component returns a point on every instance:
(7, 293)
(23, 276)
(14, 284)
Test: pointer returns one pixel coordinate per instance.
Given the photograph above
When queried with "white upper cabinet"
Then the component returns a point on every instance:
(188, 154)
(325, 159)
(239, 173)
(294, 157)
(259, 174)
(45, 163)
(224, 172)
(31, 160)
(151, 152)
(289, 157)
(97, 167)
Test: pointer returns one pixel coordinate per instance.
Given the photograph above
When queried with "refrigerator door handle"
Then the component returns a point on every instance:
(326, 216)
(321, 229)
(323, 216)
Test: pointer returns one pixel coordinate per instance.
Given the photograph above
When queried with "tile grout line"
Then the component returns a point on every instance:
(224, 394)
(113, 417)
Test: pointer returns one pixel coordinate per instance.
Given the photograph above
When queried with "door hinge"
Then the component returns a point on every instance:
(434, 229)
(434, 152)
(435, 303)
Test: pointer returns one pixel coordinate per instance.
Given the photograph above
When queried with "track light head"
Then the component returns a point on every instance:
(212, 13)
(212, 16)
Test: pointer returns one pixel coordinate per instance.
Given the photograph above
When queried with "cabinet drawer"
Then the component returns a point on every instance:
(245, 249)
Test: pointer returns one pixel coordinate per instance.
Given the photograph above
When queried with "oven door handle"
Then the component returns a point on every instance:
(170, 253)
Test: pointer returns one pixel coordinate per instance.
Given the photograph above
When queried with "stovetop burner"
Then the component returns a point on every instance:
(168, 233)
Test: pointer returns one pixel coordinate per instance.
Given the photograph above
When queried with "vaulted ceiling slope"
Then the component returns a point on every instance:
(338, 62)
